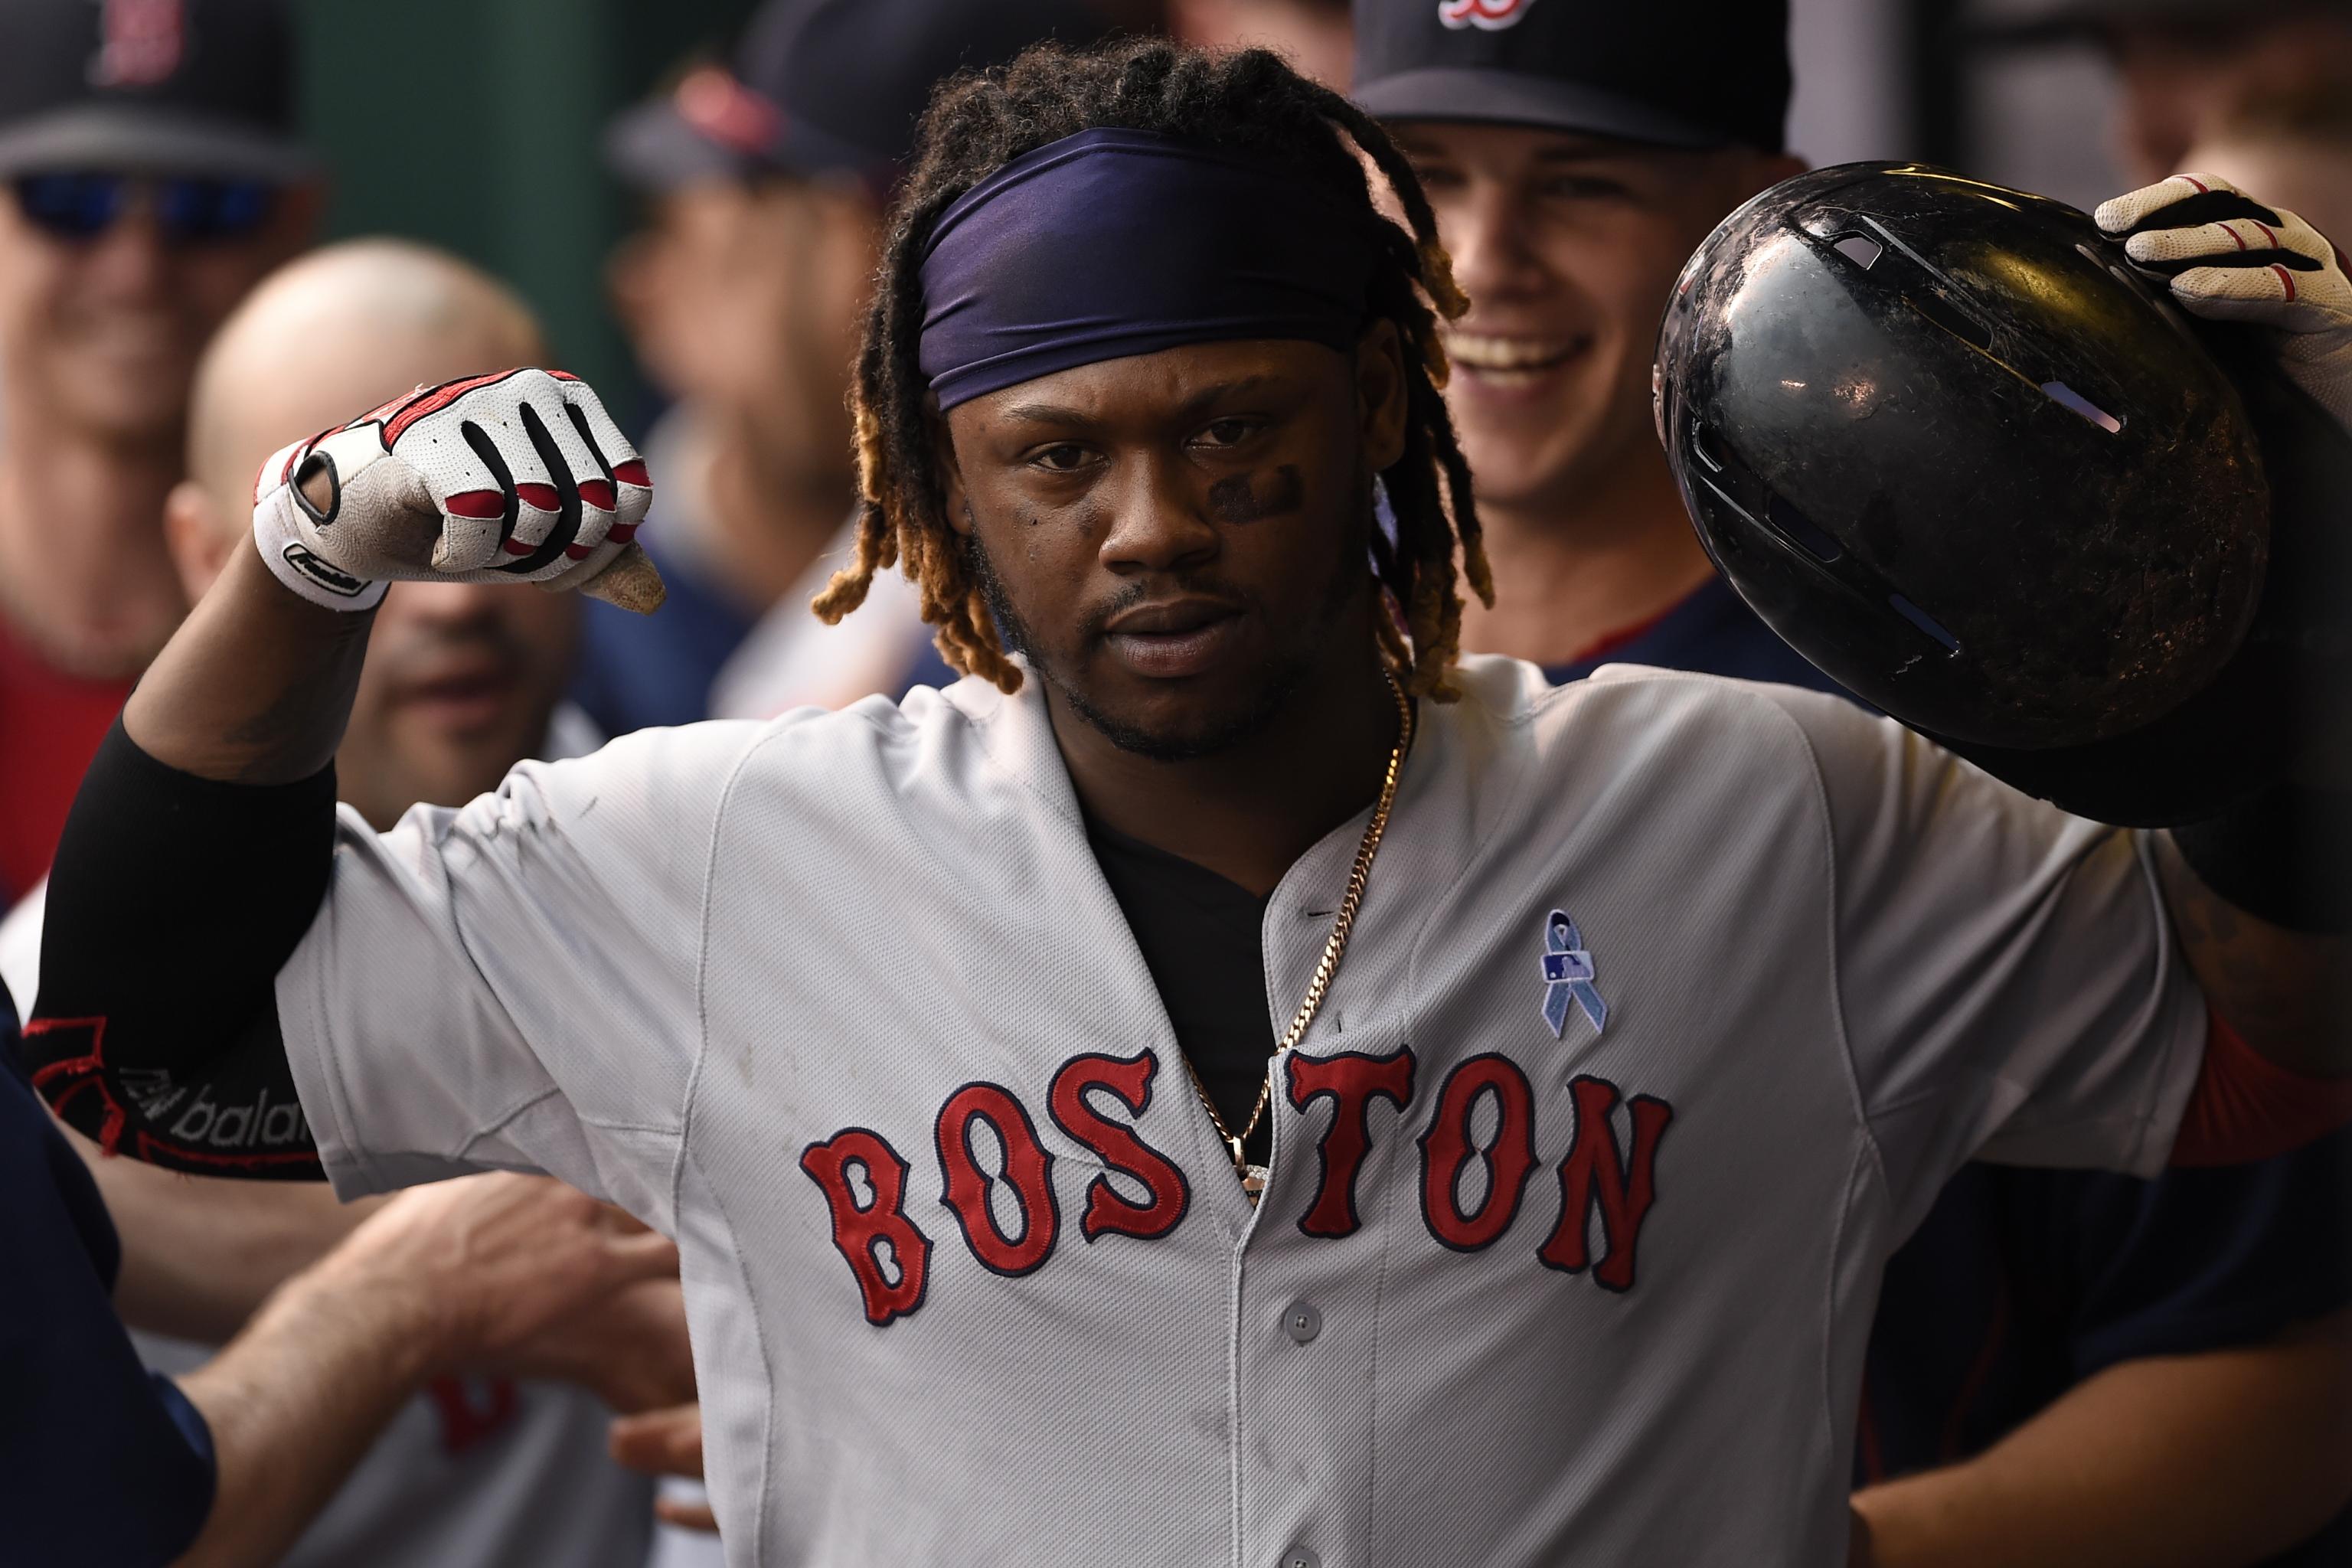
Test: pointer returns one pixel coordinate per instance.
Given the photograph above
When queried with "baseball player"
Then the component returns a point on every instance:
(766, 181)
(2034, 1312)
(1517, 1196)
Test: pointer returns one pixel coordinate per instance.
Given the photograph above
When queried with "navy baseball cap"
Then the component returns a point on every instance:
(829, 86)
(1708, 74)
(188, 87)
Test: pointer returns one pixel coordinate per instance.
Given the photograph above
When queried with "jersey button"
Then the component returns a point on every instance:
(1302, 1322)
(1301, 1557)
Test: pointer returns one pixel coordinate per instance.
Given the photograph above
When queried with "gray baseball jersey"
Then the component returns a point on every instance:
(1672, 1003)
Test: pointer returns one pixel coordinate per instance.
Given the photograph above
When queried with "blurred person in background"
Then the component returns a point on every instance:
(151, 177)
(462, 682)
(2067, 1368)
(2187, 70)
(1314, 36)
(765, 182)
(103, 1462)
(2296, 150)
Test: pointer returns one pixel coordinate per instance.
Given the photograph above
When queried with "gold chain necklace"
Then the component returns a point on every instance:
(1253, 1176)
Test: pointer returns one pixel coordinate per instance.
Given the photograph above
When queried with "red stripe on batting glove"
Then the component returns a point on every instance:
(435, 401)
(478, 504)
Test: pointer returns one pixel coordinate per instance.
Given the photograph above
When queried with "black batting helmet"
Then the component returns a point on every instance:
(1952, 447)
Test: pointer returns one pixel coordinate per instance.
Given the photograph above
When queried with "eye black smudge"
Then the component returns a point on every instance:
(1236, 501)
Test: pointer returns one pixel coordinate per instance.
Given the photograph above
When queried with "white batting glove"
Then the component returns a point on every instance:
(2232, 259)
(517, 476)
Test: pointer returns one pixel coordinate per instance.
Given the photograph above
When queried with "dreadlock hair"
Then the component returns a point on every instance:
(1249, 103)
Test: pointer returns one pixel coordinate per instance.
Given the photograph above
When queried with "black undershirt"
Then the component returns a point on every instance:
(1201, 936)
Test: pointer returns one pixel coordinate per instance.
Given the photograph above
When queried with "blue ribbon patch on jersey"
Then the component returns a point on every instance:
(1568, 976)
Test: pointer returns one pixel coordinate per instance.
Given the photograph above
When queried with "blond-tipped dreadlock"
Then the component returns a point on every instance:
(1251, 104)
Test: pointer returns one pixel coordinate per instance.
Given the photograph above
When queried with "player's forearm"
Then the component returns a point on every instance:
(2206, 1461)
(201, 1254)
(295, 1402)
(257, 685)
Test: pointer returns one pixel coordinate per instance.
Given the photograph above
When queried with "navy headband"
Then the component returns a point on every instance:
(1114, 242)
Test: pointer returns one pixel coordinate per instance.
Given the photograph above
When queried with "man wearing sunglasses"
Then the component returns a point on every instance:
(149, 177)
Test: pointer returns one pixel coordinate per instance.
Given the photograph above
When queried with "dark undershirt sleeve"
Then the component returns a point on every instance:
(172, 903)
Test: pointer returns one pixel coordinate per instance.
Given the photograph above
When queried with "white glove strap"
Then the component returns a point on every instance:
(278, 536)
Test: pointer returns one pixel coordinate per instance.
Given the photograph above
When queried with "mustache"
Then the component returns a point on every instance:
(1093, 623)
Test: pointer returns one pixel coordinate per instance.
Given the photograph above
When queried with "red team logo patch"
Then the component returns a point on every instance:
(1490, 15)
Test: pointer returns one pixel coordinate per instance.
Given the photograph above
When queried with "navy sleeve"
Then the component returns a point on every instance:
(2021, 1283)
(104, 1465)
(2206, 1259)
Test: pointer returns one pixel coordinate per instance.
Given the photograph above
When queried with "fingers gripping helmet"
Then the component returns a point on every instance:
(1950, 447)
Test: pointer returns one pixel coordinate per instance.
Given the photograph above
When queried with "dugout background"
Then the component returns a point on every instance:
(475, 125)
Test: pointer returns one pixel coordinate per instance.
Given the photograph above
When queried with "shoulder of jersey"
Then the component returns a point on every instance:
(1670, 729)
(871, 739)
(1618, 694)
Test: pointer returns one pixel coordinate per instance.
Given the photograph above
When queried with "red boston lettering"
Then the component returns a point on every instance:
(1107, 1213)
(859, 1230)
(1448, 1146)
(1594, 1174)
(1028, 1171)
(1350, 1079)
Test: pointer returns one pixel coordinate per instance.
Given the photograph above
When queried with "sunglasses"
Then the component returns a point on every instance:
(189, 209)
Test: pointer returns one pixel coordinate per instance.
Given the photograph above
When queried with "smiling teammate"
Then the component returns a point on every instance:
(1616, 1030)
(149, 176)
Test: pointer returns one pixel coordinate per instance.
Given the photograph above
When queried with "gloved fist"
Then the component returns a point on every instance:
(2230, 259)
(517, 476)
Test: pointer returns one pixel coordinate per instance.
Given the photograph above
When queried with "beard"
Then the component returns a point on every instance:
(1284, 672)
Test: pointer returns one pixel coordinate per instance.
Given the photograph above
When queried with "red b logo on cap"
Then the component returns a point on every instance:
(1491, 15)
(142, 43)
